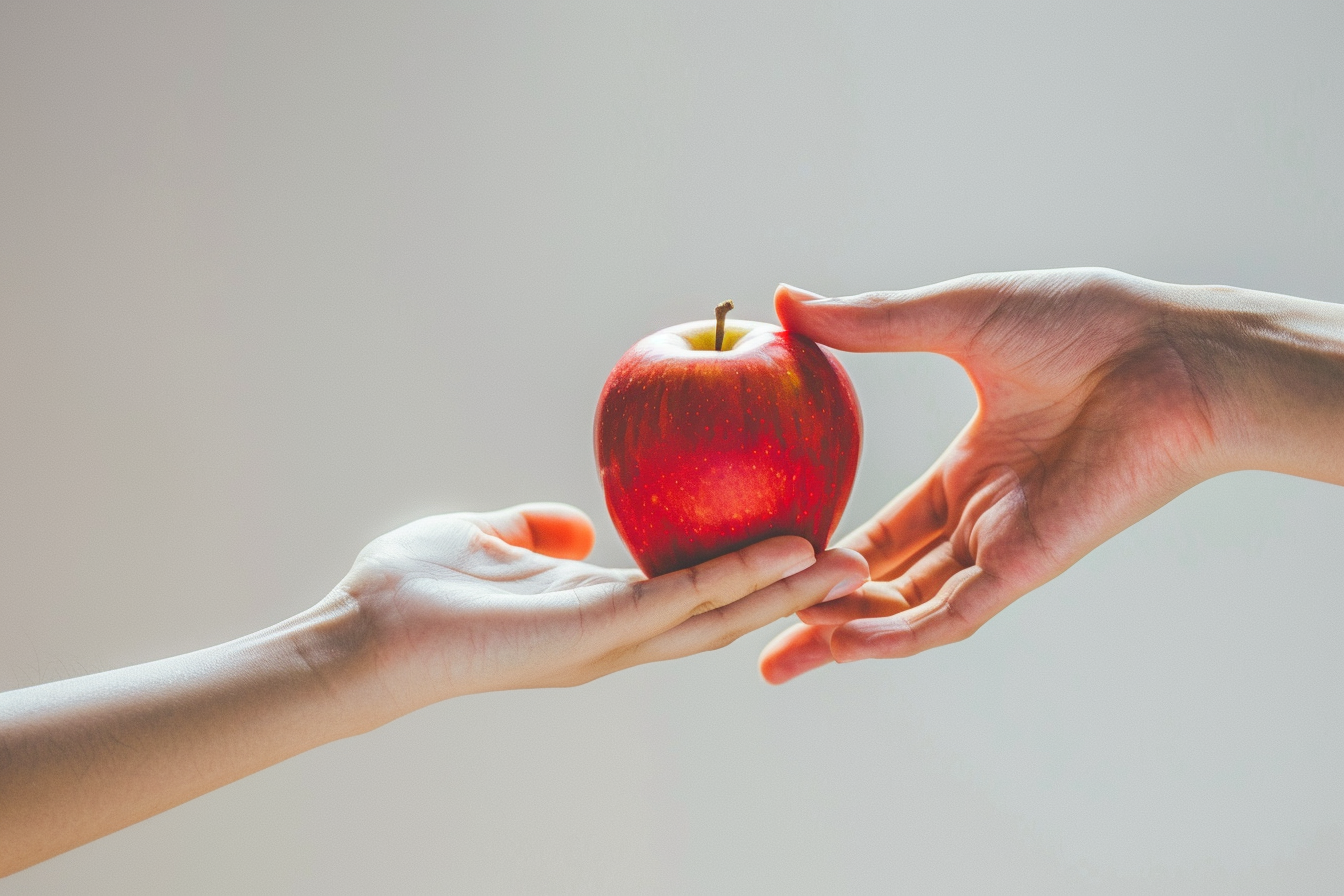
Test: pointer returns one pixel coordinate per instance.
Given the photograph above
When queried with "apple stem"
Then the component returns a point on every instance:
(720, 313)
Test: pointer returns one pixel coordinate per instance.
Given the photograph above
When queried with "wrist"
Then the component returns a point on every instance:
(334, 643)
(1275, 379)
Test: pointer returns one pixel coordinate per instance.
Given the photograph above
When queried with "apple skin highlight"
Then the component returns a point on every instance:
(702, 452)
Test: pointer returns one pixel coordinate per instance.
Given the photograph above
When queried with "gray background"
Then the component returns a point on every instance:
(274, 280)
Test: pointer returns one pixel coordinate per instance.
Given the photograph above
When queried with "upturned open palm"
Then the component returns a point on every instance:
(470, 602)
(1096, 408)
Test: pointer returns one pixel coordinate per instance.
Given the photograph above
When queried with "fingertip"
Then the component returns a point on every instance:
(927, 319)
(785, 555)
(792, 652)
(558, 530)
(847, 323)
(851, 559)
(846, 570)
(787, 292)
(790, 302)
(770, 670)
(580, 542)
(552, 509)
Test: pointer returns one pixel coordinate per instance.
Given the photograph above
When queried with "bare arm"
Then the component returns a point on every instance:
(84, 757)
(446, 606)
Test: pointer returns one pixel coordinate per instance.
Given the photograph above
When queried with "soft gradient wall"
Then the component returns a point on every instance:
(276, 278)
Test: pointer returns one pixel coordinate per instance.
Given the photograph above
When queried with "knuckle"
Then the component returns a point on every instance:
(704, 607)
(794, 594)
(478, 541)
(722, 629)
(963, 620)
(910, 589)
(883, 536)
(694, 582)
(961, 626)
(995, 284)
(747, 564)
(1102, 276)
(638, 591)
(723, 639)
(745, 573)
(876, 299)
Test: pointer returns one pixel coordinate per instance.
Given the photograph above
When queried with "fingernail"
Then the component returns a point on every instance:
(846, 586)
(803, 294)
(805, 564)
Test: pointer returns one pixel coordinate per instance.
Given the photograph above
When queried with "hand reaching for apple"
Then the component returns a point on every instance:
(446, 606)
(1102, 397)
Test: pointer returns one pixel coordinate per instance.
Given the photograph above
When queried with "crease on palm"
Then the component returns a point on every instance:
(1026, 488)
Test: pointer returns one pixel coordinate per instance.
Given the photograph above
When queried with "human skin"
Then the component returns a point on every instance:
(446, 606)
(1102, 396)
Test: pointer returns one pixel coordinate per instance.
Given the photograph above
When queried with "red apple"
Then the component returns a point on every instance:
(704, 451)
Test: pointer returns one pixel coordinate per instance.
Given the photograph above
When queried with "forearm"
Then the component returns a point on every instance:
(87, 756)
(1280, 381)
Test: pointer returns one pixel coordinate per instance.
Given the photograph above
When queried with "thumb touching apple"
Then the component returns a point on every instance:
(941, 318)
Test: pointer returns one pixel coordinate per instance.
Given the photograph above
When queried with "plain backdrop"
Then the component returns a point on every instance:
(275, 278)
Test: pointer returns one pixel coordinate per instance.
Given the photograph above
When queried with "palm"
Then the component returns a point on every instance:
(1059, 461)
(460, 602)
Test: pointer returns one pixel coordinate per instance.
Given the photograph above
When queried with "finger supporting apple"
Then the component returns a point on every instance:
(836, 572)
(660, 603)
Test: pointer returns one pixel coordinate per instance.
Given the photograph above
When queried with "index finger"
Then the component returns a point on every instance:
(938, 318)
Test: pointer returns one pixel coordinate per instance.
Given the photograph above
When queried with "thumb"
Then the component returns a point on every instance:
(940, 318)
(556, 530)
